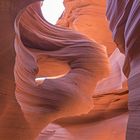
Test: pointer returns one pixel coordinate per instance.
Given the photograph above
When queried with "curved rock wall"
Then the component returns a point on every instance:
(124, 17)
(12, 122)
(88, 17)
(40, 45)
(111, 93)
(54, 98)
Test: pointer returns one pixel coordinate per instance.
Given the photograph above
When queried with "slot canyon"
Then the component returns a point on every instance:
(76, 79)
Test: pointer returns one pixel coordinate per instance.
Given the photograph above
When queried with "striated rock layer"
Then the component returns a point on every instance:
(12, 122)
(68, 95)
(124, 17)
(88, 17)
(57, 70)
(112, 128)
(110, 96)
(107, 120)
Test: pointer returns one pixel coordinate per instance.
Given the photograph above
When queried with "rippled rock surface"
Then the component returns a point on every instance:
(62, 75)
(124, 17)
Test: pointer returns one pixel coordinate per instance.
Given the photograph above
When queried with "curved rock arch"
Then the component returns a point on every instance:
(12, 115)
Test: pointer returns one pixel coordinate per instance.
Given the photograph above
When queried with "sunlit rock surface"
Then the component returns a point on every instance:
(68, 95)
(107, 120)
(110, 96)
(113, 128)
(54, 54)
(88, 17)
(116, 79)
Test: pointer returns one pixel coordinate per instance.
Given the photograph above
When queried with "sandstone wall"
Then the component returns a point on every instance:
(89, 18)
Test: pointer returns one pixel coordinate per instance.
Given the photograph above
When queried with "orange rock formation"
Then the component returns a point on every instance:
(72, 56)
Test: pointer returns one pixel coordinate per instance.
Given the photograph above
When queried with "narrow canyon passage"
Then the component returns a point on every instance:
(67, 79)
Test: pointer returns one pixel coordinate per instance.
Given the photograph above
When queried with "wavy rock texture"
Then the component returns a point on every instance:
(12, 122)
(68, 95)
(106, 121)
(70, 65)
(116, 79)
(124, 17)
(110, 96)
(89, 18)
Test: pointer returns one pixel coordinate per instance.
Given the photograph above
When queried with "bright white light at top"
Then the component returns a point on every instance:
(52, 10)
